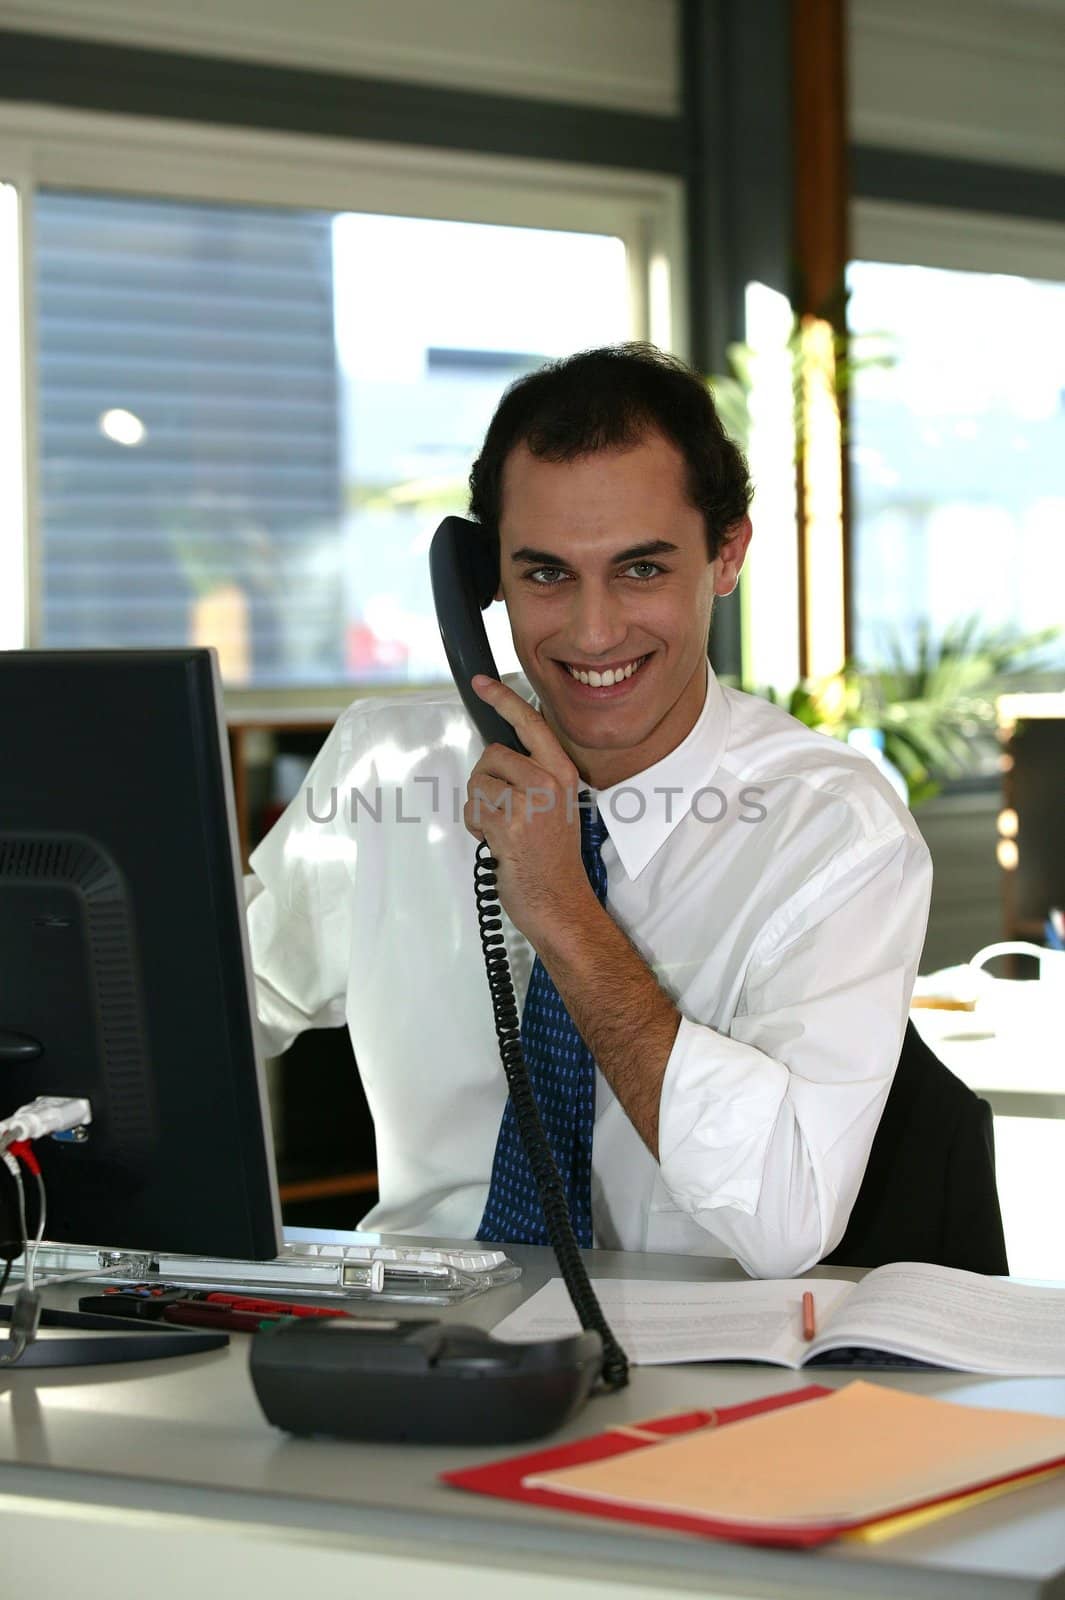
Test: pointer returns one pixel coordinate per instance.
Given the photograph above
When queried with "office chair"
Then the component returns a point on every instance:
(929, 1191)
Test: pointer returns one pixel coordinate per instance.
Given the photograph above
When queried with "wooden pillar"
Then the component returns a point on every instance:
(820, 143)
(821, 189)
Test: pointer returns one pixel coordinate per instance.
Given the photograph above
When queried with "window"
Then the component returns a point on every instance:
(249, 415)
(12, 444)
(251, 420)
(956, 450)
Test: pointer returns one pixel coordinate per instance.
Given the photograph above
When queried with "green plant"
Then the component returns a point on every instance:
(731, 390)
(933, 699)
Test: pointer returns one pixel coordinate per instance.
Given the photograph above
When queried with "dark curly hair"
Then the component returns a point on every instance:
(611, 398)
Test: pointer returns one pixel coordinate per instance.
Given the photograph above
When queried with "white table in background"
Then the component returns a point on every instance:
(1022, 1076)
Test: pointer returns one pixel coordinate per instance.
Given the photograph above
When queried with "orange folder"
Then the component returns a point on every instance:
(523, 1478)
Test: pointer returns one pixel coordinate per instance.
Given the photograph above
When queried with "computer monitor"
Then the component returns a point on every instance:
(124, 972)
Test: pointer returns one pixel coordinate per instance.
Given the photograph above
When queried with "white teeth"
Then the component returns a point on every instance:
(605, 680)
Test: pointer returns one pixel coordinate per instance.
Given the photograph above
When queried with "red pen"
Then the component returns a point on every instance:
(269, 1308)
(195, 1314)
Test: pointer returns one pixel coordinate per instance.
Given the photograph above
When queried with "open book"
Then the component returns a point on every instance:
(938, 1315)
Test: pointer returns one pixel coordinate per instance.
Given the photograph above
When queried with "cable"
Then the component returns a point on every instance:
(25, 1153)
(31, 1253)
(615, 1374)
(16, 1172)
(46, 1114)
(26, 1311)
(11, 1240)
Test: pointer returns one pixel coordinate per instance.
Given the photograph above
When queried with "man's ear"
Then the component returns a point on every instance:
(730, 556)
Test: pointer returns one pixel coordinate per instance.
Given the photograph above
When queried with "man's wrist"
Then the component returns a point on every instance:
(569, 933)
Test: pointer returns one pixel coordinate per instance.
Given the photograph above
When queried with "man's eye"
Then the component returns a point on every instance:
(550, 577)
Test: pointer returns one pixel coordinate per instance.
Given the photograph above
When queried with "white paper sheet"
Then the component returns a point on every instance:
(658, 1322)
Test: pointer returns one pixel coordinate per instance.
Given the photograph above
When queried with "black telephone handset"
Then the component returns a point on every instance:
(434, 1382)
(464, 569)
(464, 572)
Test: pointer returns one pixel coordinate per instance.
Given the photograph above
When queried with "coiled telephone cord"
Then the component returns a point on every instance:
(615, 1374)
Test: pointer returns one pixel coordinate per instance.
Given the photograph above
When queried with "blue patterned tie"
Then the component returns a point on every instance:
(562, 1075)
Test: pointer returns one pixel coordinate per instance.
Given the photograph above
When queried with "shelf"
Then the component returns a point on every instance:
(318, 1168)
(327, 1188)
(239, 725)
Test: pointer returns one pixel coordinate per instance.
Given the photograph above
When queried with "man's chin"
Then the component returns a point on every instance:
(582, 733)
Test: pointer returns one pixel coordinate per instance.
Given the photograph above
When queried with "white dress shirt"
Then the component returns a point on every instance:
(768, 876)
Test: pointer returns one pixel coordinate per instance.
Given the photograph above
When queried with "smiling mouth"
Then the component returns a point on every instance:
(605, 680)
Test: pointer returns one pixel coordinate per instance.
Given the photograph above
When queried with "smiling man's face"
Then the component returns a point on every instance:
(604, 568)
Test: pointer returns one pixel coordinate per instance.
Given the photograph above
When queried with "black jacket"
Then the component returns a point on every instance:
(929, 1192)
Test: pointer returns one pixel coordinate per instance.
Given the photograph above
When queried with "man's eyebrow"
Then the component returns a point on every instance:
(636, 552)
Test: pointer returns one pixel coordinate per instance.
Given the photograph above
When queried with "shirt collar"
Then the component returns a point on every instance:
(639, 813)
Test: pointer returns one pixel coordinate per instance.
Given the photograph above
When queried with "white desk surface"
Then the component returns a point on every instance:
(1015, 1077)
(1020, 1073)
(164, 1479)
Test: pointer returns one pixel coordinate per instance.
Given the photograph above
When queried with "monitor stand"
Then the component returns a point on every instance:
(118, 1341)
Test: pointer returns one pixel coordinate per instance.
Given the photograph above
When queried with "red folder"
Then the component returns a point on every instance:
(504, 1479)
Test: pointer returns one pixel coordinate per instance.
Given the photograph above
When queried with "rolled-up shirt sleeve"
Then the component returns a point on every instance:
(764, 1133)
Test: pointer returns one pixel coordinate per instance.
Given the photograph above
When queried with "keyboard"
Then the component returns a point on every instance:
(324, 1266)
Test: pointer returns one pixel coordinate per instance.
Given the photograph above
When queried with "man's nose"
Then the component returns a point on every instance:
(597, 621)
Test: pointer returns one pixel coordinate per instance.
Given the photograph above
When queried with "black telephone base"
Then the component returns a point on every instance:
(419, 1381)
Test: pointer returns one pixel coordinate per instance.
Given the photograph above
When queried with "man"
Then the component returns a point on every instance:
(742, 988)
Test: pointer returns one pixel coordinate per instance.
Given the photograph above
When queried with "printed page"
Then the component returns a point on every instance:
(955, 1319)
(861, 1453)
(659, 1322)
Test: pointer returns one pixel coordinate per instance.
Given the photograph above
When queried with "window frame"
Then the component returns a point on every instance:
(965, 241)
(151, 158)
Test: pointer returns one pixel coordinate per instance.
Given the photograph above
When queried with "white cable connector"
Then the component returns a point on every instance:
(47, 1114)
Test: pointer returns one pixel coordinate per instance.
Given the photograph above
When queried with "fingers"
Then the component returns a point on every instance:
(505, 781)
(517, 803)
(485, 794)
(498, 761)
(534, 733)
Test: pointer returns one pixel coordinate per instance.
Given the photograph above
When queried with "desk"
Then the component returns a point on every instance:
(164, 1480)
(1017, 1077)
